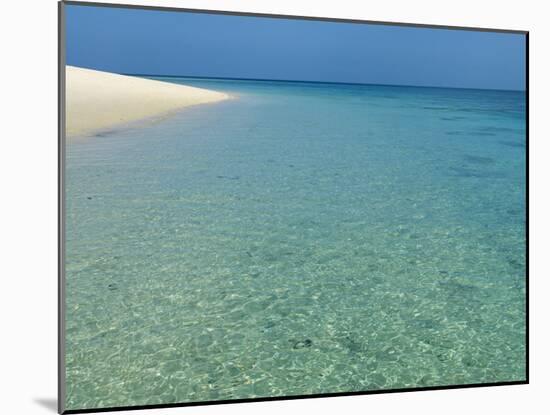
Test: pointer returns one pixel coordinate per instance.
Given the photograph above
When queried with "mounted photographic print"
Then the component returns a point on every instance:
(264, 207)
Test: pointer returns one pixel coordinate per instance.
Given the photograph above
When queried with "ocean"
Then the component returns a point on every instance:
(301, 238)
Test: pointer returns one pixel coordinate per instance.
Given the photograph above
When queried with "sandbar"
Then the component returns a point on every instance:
(97, 100)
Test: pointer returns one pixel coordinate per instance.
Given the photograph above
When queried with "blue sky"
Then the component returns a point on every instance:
(190, 44)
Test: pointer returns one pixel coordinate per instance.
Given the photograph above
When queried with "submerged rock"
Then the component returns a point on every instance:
(229, 177)
(514, 144)
(478, 159)
(479, 174)
(301, 344)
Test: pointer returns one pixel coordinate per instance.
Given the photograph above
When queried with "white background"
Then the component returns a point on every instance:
(28, 223)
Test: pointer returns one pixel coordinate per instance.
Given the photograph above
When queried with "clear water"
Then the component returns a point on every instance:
(299, 239)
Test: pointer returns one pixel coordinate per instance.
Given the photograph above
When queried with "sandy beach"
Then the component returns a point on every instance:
(99, 100)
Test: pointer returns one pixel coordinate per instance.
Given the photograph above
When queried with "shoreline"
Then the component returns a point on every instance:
(97, 101)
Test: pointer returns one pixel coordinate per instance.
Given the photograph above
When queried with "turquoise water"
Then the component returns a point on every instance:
(299, 239)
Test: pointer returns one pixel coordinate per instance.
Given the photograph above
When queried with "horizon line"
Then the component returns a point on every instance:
(315, 82)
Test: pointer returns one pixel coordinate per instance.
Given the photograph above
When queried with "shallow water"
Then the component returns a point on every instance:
(299, 239)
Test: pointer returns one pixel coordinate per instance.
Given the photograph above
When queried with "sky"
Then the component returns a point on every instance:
(136, 41)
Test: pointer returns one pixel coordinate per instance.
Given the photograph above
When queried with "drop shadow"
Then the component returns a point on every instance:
(48, 403)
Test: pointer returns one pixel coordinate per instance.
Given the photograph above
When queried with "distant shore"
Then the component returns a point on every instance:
(97, 100)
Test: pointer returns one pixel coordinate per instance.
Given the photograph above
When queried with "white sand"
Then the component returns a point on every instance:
(100, 100)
